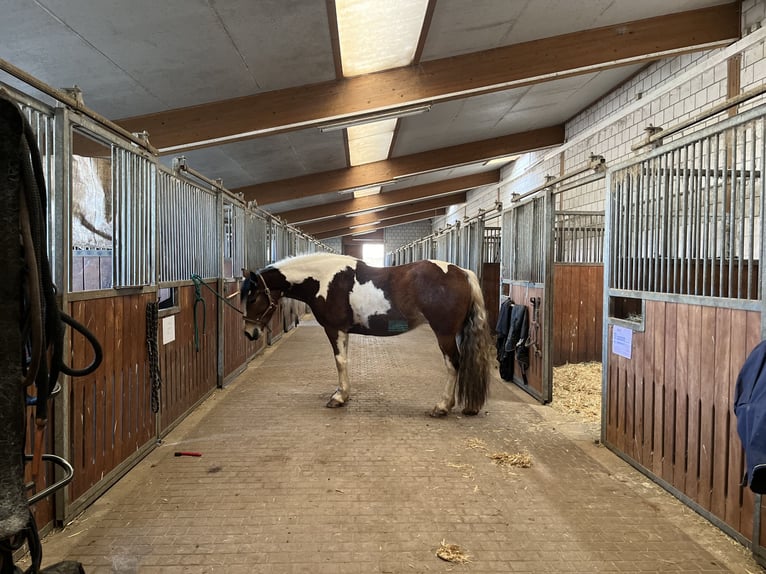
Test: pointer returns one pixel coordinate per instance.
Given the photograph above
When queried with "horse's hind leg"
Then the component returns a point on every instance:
(339, 342)
(451, 354)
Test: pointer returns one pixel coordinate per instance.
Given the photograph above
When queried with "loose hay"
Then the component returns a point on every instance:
(476, 443)
(518, 460)
(452, 553)
(577, 390)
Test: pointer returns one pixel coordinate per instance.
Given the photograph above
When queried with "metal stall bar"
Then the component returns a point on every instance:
(186, 250)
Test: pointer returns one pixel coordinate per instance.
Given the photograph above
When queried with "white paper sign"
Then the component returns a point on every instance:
(622, 341)
(168, 329)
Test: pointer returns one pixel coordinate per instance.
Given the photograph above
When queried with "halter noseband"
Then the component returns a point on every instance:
(272, 304)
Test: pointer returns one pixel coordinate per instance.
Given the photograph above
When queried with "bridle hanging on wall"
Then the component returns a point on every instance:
(32, 328)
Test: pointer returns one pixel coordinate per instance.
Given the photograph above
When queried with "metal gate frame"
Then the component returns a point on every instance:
(527, 265)
(528, 257)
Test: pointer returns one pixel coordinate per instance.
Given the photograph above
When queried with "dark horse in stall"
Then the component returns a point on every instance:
(348, 296)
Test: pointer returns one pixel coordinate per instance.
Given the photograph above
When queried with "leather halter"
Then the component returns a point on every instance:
(260, 321)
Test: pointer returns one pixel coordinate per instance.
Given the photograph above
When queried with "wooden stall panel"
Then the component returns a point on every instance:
(110, 416)
(577, 313)
(237, 349)
(188, 363)
(670, 406)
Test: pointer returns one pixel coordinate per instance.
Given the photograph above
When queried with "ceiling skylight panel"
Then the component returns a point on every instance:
(377, 35)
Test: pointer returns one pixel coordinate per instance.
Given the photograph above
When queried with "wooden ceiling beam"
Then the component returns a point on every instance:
(343, 222)
(526, 63)
(383, 224)
(390, 198)
(381, 172)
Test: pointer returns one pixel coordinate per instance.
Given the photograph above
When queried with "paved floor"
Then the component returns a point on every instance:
(285, 485)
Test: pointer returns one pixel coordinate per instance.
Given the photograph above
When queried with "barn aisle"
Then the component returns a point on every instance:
(286, 485)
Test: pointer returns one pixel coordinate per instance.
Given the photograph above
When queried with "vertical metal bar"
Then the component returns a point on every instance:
(731, 172)
(62, 161)
(707, 288)
(639, 220)
(117, 221)
(630, 221)
(697, 217)
(154, 178)
(658, 228)
(162, 226)
(546, 278)
(742, 187)
(684, 229)
(179, 198)
(610, 219)
(169, 264)
(142, 250)
(675, 185)
(751, 211)
(715, 270)
(664, 184)
(622, 245)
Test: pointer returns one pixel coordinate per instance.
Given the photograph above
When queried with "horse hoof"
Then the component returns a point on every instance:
(334, 404)
(438, 413)
(470, 412)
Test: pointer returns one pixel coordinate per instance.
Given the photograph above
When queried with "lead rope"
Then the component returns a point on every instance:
(152, 347)
(199, 282)
(198, 298)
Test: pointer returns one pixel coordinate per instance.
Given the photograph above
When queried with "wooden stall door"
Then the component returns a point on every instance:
(669, 407)
(577, 312)
(188, 363)
(537, 383)
(110, 417)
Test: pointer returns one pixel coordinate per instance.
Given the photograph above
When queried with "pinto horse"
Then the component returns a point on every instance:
(348, 296)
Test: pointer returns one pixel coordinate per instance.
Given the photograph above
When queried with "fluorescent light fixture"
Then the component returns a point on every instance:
(376, 184)
(501, 160)
(365, 192)
(374, 117)
(364, 224)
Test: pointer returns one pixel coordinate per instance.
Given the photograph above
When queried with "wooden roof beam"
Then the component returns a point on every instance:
(390, 198)
(526, 63)
(383, 224)
(343, 222)
(381, 172)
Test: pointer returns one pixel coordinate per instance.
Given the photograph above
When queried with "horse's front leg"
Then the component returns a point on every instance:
(451, 358)
(339, 342)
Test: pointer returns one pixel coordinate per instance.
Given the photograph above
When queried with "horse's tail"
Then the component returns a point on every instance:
(476, 355)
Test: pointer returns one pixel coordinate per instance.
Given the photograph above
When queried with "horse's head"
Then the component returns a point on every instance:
(259, 304)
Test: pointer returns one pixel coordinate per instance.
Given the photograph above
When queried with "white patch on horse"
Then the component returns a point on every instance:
(443, 265)
(367, 300)
(322, 267)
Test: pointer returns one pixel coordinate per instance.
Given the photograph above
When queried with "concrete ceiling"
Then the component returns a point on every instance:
(240, 88)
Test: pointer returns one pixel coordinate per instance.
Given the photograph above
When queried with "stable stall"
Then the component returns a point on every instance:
(683, 307)
(159, 294)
